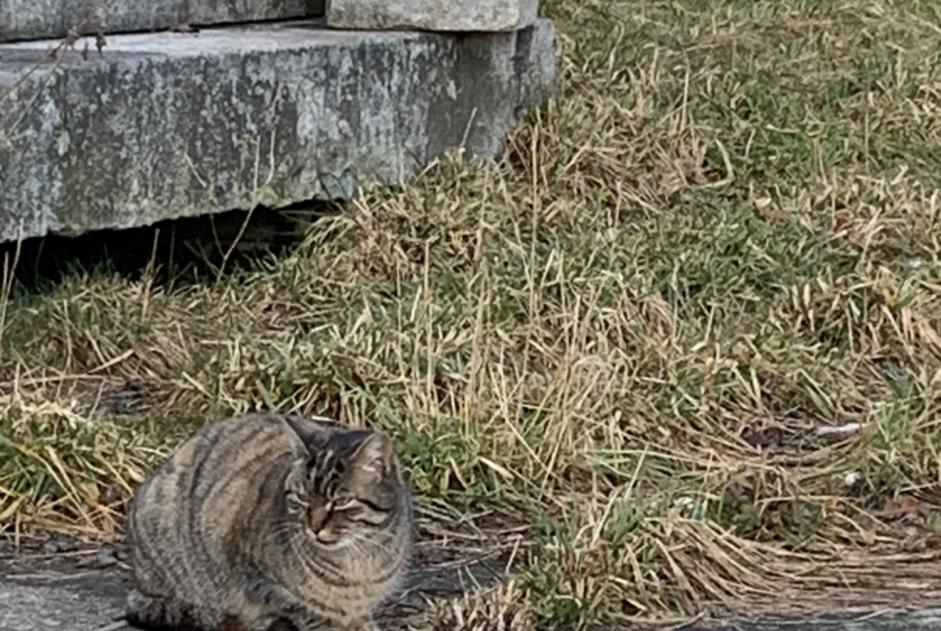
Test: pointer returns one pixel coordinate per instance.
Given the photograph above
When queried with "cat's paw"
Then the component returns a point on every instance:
(282, 624)
(145, 611)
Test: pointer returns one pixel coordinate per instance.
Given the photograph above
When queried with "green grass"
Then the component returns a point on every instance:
(720, 238)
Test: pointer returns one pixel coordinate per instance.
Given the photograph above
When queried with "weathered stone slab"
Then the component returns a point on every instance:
(168, 125)
(36, 19)
(871, 619)
(51, 600)
(60, 594)
(433, 15)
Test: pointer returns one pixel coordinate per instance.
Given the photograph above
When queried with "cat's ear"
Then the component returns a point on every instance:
(313, 434)
(372, 460)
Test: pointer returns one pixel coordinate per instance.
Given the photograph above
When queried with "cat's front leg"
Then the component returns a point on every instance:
(283, 607)
(154, 612)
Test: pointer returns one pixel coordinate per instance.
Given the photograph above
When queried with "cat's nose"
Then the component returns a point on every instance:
(317, 518)
(327, 535)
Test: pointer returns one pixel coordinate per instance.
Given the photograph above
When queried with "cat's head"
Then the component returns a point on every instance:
(348, 488)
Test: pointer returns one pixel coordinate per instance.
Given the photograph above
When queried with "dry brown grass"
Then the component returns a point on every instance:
(688, 329)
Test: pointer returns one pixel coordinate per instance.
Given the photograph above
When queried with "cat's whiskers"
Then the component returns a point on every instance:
(358, 540)
(280, 530)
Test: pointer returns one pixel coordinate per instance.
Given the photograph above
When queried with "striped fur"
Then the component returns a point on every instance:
(270, 522)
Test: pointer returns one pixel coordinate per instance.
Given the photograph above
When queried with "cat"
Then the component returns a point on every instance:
(266, 522)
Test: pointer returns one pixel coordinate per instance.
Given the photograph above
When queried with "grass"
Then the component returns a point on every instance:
(687, 330)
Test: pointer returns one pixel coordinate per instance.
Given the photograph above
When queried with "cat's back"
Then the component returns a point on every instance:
(211, 484)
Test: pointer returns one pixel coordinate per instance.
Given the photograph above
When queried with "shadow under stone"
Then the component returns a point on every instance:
(175, 251)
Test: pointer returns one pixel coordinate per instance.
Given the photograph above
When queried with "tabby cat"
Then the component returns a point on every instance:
(266, 522)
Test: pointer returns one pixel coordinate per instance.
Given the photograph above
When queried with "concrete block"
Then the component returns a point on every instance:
(536, 59)
(37, 19)
(168, 125)
(433, 15)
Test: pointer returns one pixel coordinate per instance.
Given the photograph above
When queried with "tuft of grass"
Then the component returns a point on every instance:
(500, 608)
(687, 329)
(62, 471)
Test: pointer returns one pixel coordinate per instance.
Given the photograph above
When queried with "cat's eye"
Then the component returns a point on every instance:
(346, 504)
(368, 517)
(296, 502)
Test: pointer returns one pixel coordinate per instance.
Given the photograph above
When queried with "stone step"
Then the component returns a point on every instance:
(38, 19)
(433, 15)
(166, 125)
